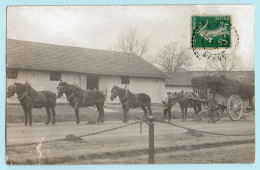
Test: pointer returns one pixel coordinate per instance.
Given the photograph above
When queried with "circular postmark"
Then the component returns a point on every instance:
(226, 48)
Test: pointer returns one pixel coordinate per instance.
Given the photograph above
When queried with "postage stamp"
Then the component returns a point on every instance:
(211, 31)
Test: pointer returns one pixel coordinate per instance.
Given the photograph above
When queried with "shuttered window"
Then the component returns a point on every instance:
(11, 74)
(55, 76)
(125, 80)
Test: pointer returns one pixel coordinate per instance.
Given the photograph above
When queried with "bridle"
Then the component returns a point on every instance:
(13, 90)
(64, 89)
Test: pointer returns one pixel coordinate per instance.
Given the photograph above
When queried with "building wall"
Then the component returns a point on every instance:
(151, 86)
(40, 80)
(177, 88)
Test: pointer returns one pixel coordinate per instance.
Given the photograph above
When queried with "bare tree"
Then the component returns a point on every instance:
(131, 43)
(225, 63)
(173, 59)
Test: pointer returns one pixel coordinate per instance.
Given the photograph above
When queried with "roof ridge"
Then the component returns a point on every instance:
(43, 43)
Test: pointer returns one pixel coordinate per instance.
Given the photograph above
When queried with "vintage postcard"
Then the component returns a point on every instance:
(151, 84)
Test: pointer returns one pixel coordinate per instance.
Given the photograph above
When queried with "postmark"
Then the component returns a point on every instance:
(213, 37)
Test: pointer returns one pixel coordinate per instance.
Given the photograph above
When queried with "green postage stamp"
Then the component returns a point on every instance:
(211, 32)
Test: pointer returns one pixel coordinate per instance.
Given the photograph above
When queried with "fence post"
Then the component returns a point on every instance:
(141, 127)
(150, 120)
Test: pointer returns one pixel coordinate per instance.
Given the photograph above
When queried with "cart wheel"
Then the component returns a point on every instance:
(218, 114)
(235, 107)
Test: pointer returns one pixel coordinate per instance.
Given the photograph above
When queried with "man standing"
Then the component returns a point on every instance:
(211, 107)
(168, 106)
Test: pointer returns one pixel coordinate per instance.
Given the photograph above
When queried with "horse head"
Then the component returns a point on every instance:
(62, 88)
(114, 92)
(177, 95)
(11, 90)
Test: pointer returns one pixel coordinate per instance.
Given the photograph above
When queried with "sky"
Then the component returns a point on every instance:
(99, 27)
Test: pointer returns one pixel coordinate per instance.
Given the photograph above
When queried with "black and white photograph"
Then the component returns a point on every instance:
(144, 84)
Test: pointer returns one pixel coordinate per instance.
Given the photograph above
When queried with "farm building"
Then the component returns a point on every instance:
(182, 80)
(44, 65)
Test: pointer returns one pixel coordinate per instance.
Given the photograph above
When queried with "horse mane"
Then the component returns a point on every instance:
(78, 92)
(130, 93)
(31, 89)
(178, 95)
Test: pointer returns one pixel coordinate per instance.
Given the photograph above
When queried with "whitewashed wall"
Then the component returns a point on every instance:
(177, 89)
(40, 80)
(151, 86)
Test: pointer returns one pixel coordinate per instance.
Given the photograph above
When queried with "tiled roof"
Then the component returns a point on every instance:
(40, 56)
(184, 78)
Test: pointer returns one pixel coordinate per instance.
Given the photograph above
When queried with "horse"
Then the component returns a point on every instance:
(131, 100)
(80, 98)
(185, 100)
(29, 98)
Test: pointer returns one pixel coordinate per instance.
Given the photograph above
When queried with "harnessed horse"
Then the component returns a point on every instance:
(185, 100)
(131, 100)
(29, 98)
(80, 98)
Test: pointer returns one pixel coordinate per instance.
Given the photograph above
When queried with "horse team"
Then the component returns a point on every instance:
(30, 98)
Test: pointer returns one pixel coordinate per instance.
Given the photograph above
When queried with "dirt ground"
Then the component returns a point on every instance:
(127, 145)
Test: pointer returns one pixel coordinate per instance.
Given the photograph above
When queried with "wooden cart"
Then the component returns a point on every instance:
(234, 96)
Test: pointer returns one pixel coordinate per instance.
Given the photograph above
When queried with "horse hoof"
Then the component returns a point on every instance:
(76, 124)
(46, 123)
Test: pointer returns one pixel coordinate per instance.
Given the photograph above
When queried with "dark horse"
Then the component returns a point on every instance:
(80, 98)
(29, 98)
(131, 100)
(185, 100)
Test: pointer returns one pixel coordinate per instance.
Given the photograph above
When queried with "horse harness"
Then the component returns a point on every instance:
(127, 98)
(26, 91)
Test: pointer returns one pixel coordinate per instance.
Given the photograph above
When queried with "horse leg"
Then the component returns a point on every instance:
(125, 111)
(196, 111)
(199, 107)
(53, 115)
(48, 115)
(182, 114)
(149, 110)
(100, 114)
(76, 109)
(145, 110)
(25, 115)
(185, 112)
(169, 114)
(164, 113)
(30, 116)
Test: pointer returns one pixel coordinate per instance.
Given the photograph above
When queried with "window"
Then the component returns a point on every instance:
(11, 74)
(202, 93)
(55, 76)
(125, 80)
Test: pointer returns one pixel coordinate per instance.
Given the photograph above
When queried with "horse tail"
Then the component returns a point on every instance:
(106, 93)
